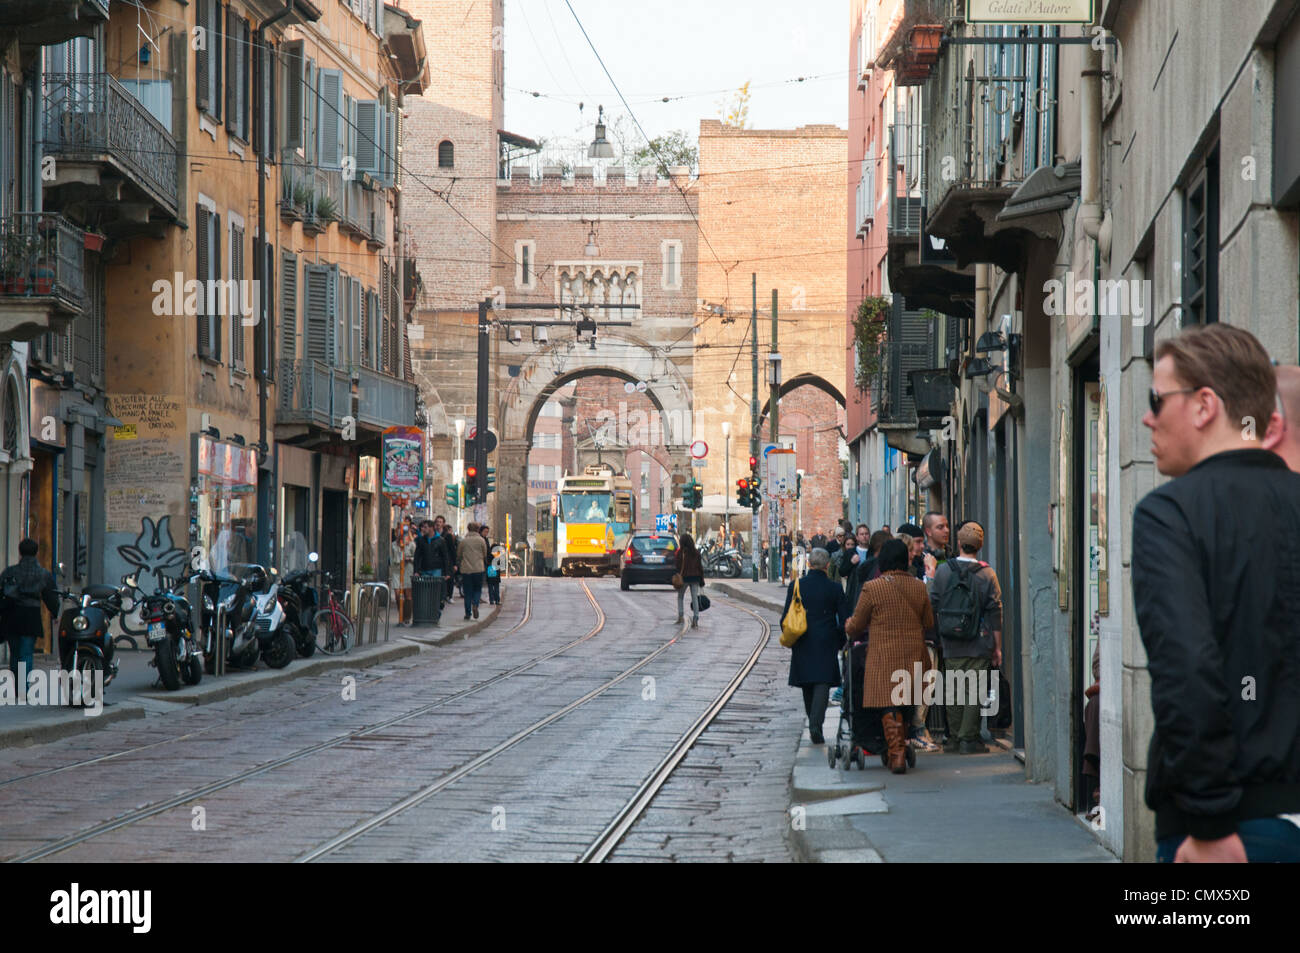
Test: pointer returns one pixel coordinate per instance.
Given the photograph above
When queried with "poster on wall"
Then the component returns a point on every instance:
(403, 460)
(146, 488)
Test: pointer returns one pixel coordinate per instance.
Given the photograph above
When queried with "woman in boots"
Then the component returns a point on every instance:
(897, 607)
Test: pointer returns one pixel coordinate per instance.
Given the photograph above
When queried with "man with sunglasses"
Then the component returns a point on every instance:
(1216, 586)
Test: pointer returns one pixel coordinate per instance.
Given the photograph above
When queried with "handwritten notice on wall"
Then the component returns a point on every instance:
(146, 472)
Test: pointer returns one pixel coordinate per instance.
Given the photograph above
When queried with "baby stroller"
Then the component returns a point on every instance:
(859, 734)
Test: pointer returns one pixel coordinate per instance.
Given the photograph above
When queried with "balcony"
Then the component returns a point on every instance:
(38, 23)
(992, 110)
(912, 40)
(42, 276)
(911, 344)
(115, 162)
(384, 401)
(918, 266)
(314, 399)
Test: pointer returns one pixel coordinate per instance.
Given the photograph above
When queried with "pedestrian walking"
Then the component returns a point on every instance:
(918, 736)
(935, 552)
(471, 563)
(967, 603)
(1283, 436)
(691, 569)
(855, 550)
(492, 573)
(1216, 587)
(814, 662)
(24, 587)
(897, 609)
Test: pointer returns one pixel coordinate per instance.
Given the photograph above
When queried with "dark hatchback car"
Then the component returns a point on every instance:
(648, 558)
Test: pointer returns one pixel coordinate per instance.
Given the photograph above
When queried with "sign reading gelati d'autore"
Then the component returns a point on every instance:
(1029, 11)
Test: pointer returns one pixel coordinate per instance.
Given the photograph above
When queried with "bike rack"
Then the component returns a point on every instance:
(219, 642)
(368, 611)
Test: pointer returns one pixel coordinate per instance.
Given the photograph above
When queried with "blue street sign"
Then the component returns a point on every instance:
(421, 504)
(665, 522)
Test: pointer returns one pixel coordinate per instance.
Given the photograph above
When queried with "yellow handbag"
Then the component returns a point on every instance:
(795, 622)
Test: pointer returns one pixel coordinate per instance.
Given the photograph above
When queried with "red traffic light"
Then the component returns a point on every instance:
(471, 472)
(753, 462)
(742, 484)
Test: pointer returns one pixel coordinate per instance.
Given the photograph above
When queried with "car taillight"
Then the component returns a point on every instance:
(632, 555)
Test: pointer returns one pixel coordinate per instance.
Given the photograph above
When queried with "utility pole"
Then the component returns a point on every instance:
(481, 410)
(773, 413)
(754, 533)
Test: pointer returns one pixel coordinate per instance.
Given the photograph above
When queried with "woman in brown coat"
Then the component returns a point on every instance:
(897, 607)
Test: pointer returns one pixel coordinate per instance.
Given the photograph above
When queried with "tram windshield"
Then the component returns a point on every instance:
(585, 507)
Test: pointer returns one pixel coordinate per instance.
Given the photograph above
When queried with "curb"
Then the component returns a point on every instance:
(465, 631)
(28, 736)
(743, 596)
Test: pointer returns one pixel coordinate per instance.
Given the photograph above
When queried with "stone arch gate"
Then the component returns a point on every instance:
(668, 385)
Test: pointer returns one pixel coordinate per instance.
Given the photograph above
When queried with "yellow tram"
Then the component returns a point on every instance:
(581, 529)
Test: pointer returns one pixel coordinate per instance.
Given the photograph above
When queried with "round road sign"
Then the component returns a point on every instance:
(699, 450)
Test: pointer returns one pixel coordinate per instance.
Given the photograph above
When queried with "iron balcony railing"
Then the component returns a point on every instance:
(991, 112)
(91, 116)
(907, 169)
(312, 392)
(297, 188)
(384, 401)
(41, 255)
(911, 344)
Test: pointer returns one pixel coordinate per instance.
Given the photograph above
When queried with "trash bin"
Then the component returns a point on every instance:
(426, 600)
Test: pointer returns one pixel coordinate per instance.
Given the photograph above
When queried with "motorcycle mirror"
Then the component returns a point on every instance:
(274, 571)
(313, 557)
(130, 580)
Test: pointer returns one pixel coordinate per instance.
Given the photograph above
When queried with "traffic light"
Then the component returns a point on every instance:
(755, 497)
(743, 495)
(753, 463)
(451, 495)
(699, 495)
(469, 486)
(491, 480)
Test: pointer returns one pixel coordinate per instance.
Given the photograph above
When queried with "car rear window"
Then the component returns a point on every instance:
(649, 544)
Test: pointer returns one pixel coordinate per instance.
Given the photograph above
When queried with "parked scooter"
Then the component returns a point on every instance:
(299, 602)
(85, 646)
(248, 610)
(276, 642)
(169, 631)
(720, 561)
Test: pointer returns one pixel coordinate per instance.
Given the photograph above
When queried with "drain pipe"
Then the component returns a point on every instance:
(1095, 224)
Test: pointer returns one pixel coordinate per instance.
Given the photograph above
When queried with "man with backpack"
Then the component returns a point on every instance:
(23, 587)
(967, 603)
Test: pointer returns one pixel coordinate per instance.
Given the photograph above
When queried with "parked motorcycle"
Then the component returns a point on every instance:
(299, 602)
(85, 646)
(169, 630)
(251, 619)
(719, 561)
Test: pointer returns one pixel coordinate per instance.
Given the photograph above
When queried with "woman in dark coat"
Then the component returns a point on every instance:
(691, 569)
(814, 660)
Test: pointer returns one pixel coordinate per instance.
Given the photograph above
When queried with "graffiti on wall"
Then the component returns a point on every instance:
(154, 554)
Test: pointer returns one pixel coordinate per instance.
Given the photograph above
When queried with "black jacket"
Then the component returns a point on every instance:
(30, 584)
(814, 660)
(1216, 583)
(431, 554)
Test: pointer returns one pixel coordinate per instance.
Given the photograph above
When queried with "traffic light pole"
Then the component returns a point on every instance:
(773, 411)
(754, 534)
(481, 411)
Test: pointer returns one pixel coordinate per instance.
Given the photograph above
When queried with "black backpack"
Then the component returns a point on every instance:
(958, 618)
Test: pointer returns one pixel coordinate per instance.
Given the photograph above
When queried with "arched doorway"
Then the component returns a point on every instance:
(812, 418)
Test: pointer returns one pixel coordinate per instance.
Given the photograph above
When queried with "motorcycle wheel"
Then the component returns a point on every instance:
(88, 663)
(280, 651)
(303, 640)
(168, 670)
(192, 670)
(733, 569)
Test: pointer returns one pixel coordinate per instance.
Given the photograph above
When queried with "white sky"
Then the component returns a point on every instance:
(702, 48)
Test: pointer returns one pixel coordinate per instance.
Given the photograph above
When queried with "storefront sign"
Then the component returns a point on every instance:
(227, 464)
(1029, 11)
(403, 456)
(46, 418)
(369, 470)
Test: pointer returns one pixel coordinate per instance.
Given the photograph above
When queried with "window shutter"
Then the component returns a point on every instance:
(263, 333)
(378, 7)
(245, 70)
(235, 301)
(395, 148)
(288, 309)
(354, 314)
(310, 109)
(321, 303)
(203, 75)
(201, 274)
(368, 137)
(232, 70)
(214, 239)
(384, 355)
(376, 330)
(294, 80)
(330, 119)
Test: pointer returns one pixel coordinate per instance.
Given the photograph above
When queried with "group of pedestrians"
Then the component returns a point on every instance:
(430, 549)
(909, 607)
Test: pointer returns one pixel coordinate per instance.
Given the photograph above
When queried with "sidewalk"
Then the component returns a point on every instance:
(949, 808)
(136, 692)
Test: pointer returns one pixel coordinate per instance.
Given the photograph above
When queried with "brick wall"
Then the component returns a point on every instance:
(814, 418)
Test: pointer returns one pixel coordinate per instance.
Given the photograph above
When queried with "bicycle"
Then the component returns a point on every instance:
(334, 627)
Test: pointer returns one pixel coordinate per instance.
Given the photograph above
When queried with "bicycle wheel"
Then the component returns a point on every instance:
(333, 631)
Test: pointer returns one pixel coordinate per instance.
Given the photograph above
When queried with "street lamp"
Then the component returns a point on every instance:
(600, 146)
(726, 481)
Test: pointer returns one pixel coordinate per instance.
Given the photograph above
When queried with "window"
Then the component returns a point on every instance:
(238, 40)
(235, 299)
(1201, 244)
(525, 257)
(532, 472)
(331, 125)
(207, 60)
(672, 255)
(207, 244)
(446, 155)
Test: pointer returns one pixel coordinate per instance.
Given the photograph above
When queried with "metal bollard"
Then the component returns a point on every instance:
(219, 642)
(376, 587)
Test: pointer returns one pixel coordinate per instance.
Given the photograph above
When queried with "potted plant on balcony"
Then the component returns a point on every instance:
(327, 210)
(94, 241)
(16, 258)
(869, 327)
